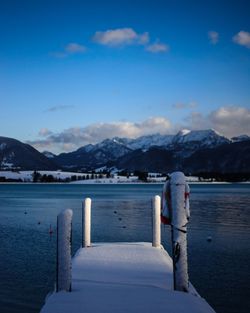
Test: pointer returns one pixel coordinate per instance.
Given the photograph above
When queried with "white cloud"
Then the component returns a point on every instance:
(154, 125)
(231, 120)
(73, 48)
(213, 37)
(242, 38)
(228, 120)
(157, 47)
(70, 49)
(120, 37)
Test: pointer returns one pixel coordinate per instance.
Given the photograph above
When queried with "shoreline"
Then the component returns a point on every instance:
(60, 177)
(121, 183)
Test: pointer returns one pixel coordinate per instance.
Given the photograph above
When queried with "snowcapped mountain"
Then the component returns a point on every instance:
(114, 148)
(200, 138)
(183, 144)
(109, 150)
(197, 138)
(86, 148)
(188, 150)
(225, 158)
(186, 142)
(93, 156)
(145, 142)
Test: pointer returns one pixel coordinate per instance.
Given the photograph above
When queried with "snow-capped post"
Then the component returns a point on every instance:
(156, 229)
(179, 207)
(86, 223)
(64, 242)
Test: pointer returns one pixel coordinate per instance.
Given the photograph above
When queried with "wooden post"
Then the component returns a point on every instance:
(64, 242)
(86, 223)
(179, 220)
(156, 229)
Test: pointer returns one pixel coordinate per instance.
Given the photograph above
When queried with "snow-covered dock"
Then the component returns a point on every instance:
(127, 277)
(124, 277)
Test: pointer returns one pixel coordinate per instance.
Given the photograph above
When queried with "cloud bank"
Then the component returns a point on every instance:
(231, 120)
(228, 120)
(157, 47)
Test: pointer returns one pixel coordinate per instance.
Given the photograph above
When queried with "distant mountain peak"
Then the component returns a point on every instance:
(48, 154)
(16, 155)
(86, 148)
(216, 132)
(199, 138)
(183, 132)
(240, 138)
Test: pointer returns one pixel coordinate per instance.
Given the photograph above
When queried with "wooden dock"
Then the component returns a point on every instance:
(124, 277)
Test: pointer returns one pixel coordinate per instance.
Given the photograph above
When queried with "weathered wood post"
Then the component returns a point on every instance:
(179, 192)
(156, 229)
(86, 223)
(64, 242)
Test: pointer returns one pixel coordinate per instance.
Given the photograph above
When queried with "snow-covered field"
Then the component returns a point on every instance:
(27, 176)
(111, 180)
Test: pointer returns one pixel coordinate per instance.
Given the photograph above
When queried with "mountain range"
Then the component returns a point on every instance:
(190, 151)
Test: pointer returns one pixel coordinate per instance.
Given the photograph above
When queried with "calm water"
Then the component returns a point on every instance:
(218, 269)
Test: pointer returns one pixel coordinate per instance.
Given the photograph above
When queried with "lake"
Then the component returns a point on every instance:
(218, 269)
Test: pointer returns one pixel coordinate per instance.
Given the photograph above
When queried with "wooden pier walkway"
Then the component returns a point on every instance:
(124, 277)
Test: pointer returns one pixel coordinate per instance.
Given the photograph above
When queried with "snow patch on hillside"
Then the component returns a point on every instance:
(3, 146)
(48, 154)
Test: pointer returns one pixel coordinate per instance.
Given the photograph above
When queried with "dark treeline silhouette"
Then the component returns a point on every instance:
(228, 177)
(143, 176)
(39, 178)
(10, 180)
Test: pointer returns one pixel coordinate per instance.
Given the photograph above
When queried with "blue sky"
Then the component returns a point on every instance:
(76, 72)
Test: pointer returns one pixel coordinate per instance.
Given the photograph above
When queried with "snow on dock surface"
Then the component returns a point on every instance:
(123, 277)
